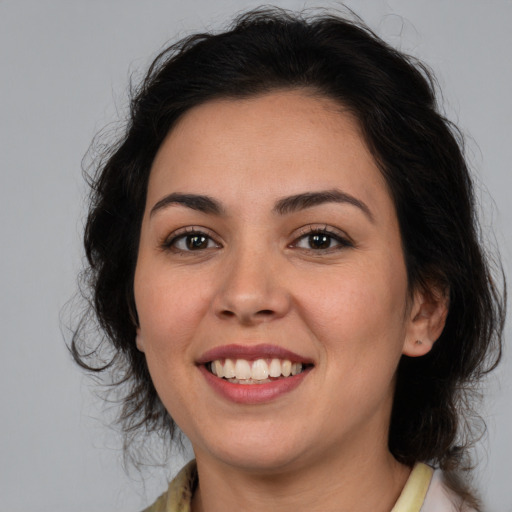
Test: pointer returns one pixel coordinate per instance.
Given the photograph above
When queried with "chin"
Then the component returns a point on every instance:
(258, 462)
(259, 452)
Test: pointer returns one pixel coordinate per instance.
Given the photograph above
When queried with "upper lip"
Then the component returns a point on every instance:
(251, 353)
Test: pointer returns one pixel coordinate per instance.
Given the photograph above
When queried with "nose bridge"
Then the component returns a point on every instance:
(250, 289)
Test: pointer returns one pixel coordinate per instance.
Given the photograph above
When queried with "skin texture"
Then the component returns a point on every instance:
(256, 279)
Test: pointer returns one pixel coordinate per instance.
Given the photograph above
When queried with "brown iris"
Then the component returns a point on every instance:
(319, 241)
(195, 242)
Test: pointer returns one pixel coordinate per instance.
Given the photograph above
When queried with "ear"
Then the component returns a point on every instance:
(138, 340)
(427, 318)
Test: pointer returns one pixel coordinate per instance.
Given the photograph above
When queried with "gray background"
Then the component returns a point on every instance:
(64, 68)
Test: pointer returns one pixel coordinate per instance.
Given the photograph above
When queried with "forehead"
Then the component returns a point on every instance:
(284, 142)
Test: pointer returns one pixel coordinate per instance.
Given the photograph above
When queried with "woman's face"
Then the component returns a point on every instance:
(269, 237)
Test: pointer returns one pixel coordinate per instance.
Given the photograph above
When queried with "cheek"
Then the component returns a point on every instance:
(169, 313)
(169, 310)
(358, 309)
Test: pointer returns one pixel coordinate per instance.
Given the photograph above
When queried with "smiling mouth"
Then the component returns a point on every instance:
(259, 371)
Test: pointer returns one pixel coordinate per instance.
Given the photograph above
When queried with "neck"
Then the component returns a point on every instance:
(350, 482)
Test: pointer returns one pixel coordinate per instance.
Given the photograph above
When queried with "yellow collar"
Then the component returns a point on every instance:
(179, 494)
(413, 494)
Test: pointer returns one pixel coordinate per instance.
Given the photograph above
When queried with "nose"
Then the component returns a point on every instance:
(251, 289)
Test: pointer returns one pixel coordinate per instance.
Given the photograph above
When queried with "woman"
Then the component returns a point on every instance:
(285, 259)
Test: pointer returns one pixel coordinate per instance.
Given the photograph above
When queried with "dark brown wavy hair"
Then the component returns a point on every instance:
(419, 153)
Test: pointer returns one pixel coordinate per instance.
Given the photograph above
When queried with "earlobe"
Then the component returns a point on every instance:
(427, 320)
(138, 340)
(417, 347)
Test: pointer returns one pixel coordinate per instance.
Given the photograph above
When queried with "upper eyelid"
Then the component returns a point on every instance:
(321, 228)
(295, 235)
(168, 239)
(344, 241)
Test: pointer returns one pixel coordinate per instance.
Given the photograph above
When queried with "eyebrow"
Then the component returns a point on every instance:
(284, 206)
(197, 202)
(309, 199)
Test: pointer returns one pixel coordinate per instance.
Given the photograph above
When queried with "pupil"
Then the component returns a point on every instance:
(319, 241)
(196, 242)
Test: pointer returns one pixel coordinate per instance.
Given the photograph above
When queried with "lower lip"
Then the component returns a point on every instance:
(253, 393)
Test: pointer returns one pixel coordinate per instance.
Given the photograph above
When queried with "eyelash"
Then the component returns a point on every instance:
(171, 243)
(342, 242)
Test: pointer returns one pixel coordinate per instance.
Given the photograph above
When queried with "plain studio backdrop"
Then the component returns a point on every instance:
(64, 68)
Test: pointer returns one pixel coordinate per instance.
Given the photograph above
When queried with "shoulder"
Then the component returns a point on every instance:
(440, 498)
(426, 491)
(179, 494)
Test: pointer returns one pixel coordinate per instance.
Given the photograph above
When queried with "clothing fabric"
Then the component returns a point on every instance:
(179, 494)
(424, 491)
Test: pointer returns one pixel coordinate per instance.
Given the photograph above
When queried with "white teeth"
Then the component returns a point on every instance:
(275, 368)
(217, 368)
(296, 368)
(228, 370)
(242, 369)
(259, 370)
(286, 368)
(247, 372)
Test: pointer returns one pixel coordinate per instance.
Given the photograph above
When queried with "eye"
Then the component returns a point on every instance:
(191, 241)
(321, 240)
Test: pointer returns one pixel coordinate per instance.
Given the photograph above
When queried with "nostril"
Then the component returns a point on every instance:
(265, 312)
(248, 318)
